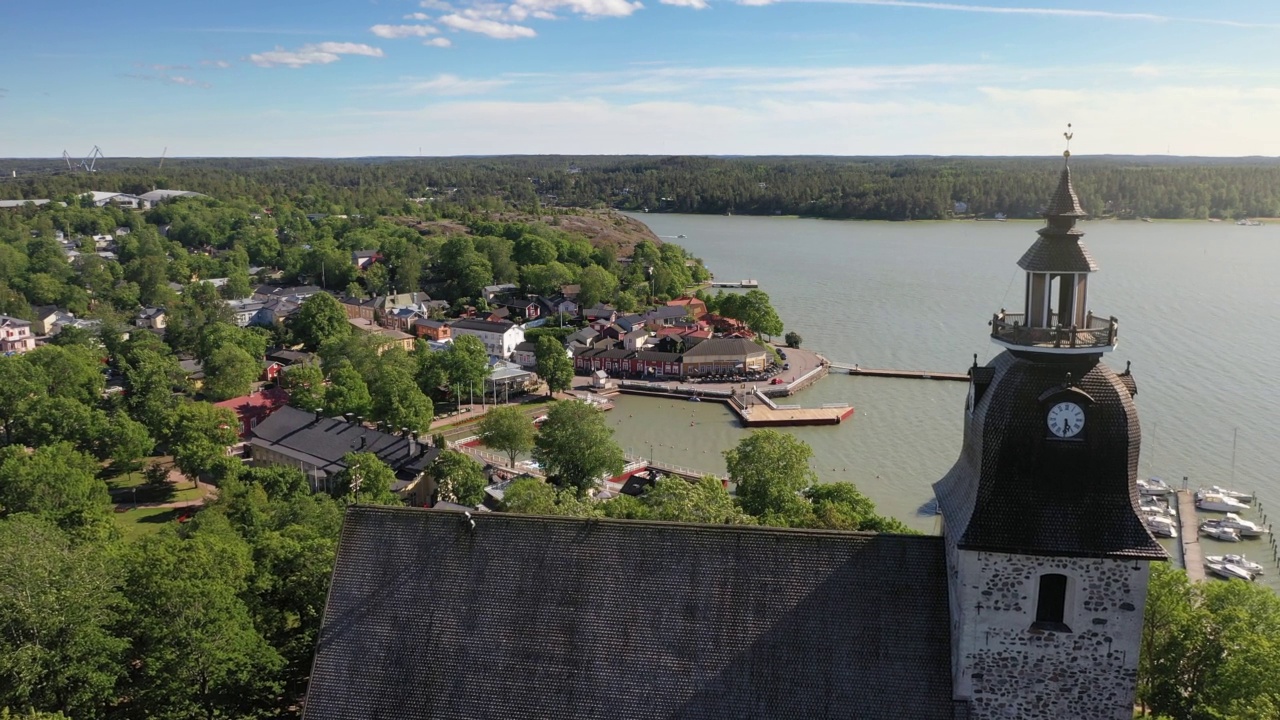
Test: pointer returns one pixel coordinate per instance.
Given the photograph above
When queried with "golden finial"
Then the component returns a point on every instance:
(1068, 135)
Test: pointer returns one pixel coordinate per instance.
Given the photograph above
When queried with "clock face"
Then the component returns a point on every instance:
(1065, 419)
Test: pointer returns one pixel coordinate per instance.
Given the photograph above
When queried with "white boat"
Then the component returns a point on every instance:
(1238, 561)
(1243, 497)
(1161, 526)
(1229, 571)
(1246, 528)
(1150, 508)
(1153, 486)
(1213, 502)
(1220, 533)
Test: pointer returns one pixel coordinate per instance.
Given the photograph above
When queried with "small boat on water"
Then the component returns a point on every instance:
(1153, 486)
(681, 236)
(1243, 497)
(1238, 561)
(1161, 526)
(1220, 533)
(1213, 502)
(694, 398)
(1246, 528)
(1229, 571)
(1149, 508)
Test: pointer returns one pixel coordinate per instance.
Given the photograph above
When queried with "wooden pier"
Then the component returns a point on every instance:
(909, 374)
(748, 284)
(1189, 536)
(762, 412)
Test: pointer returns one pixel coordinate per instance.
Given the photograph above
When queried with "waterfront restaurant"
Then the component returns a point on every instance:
(725, 356)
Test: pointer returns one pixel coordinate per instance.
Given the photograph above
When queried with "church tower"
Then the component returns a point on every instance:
(1047, 555)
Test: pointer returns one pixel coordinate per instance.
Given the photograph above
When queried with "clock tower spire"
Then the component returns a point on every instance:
(1047, 553)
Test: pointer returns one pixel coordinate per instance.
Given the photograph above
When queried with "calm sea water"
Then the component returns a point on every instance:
(1199, 311)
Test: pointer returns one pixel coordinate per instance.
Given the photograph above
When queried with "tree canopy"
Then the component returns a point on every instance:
(576, 447)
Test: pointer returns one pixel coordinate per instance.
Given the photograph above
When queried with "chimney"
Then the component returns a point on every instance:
(348, 416)
(413, 446)
(319, 414)
(363, 442)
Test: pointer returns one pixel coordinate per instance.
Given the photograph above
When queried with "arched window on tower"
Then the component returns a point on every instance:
(1051, 603)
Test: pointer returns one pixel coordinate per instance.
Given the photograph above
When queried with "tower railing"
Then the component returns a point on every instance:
(1097, 332)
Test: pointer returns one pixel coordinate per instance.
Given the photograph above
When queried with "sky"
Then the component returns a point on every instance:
(348, 78)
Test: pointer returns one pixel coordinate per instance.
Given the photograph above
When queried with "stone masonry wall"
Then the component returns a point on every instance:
(1007, 669)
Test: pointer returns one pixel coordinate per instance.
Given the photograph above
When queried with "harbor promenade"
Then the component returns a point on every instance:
(1189, 536)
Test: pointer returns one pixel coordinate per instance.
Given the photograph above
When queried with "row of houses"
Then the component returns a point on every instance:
(693, 357)
(102, 199)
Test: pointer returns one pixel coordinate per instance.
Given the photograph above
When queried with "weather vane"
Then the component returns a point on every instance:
(1068, 135)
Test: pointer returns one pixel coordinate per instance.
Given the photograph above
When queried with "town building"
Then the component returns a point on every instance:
(436, 330)
(255, 407)
(156, 197)
(150, 317)
(1029, 605)
(295, 293)
(317, 445)
(102, 199)
(387, 337)
(500, 338)
(362, 259)
(15, 336)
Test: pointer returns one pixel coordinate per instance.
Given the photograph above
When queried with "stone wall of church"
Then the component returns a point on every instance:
(1008, 668)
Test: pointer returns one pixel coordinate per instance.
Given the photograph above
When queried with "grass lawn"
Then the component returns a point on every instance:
(121, 489)
(141, 522)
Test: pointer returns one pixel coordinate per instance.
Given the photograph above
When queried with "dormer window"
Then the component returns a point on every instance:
(1051, 603)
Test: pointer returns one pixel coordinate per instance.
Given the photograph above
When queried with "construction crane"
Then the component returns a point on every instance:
(67, 157)
(166, 152)
(90, 162)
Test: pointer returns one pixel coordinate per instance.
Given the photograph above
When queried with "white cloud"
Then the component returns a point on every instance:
(1145, 70)
(220, 64)
(1052, 12)
(417, 16)
(492, 28)
(436, 5)
(161, 68)
(590, 8)
(313, 54)
(392, 32)
(440, 42)
(171, 80)
(447, 84)
(695, 4)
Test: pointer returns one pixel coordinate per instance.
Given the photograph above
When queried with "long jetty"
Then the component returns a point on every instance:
(1189, 536)
(909, 374)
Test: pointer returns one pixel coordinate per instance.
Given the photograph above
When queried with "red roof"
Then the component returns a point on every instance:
(256, 406)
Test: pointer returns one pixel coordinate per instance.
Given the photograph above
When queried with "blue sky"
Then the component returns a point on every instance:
(450, 77)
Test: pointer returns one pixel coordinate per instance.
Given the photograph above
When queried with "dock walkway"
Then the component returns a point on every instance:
(1189, 536)
(909, 374)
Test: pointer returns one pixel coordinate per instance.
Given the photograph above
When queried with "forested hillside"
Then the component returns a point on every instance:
(902, 188)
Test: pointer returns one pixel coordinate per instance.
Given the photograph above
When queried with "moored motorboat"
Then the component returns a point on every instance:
(1229, 571)
(1153, 486)
(1150, 508)
(1214, 502)
(1161, 526)
(1246, 528)
(1243, 497)
(1225, 534)
(1238, 561)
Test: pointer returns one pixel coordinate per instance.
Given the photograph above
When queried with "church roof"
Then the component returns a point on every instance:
(518, 617)
(1013, 491)
(1065, 202)
(1059, 248)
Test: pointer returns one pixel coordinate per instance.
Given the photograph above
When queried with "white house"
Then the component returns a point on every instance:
(102, 199)
(15, 335)
(500, 338)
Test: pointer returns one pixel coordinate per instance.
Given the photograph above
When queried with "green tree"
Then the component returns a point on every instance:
(19, 381)
(460, 479)
(320, 318)
(596, 285)
(277, 481)
(793, 339)
(397, 400)
(366, 479)
(576, 447)
(59, 601)
(507, 429)
(757, 312)
(466, 364)
(128, 441)
(230, 372)
(57, 483)
(770, 468)
(199, 437)
(195, 650)
(704, 501)
(347, 393)
(149, 379)
(304, 384)
(44, 421)
(531, 496)
(553, 364)
(72, 371)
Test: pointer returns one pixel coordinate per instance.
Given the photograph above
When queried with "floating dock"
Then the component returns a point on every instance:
(1189, 536)
(909, 374)
(763, 412)
(749, 283)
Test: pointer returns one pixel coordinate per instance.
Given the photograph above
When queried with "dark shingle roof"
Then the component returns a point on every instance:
(326, 440)
(483, 325)
(532, 617)
(1014, 491)
(1053, 253)
(724, 346)
(1064, 202)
